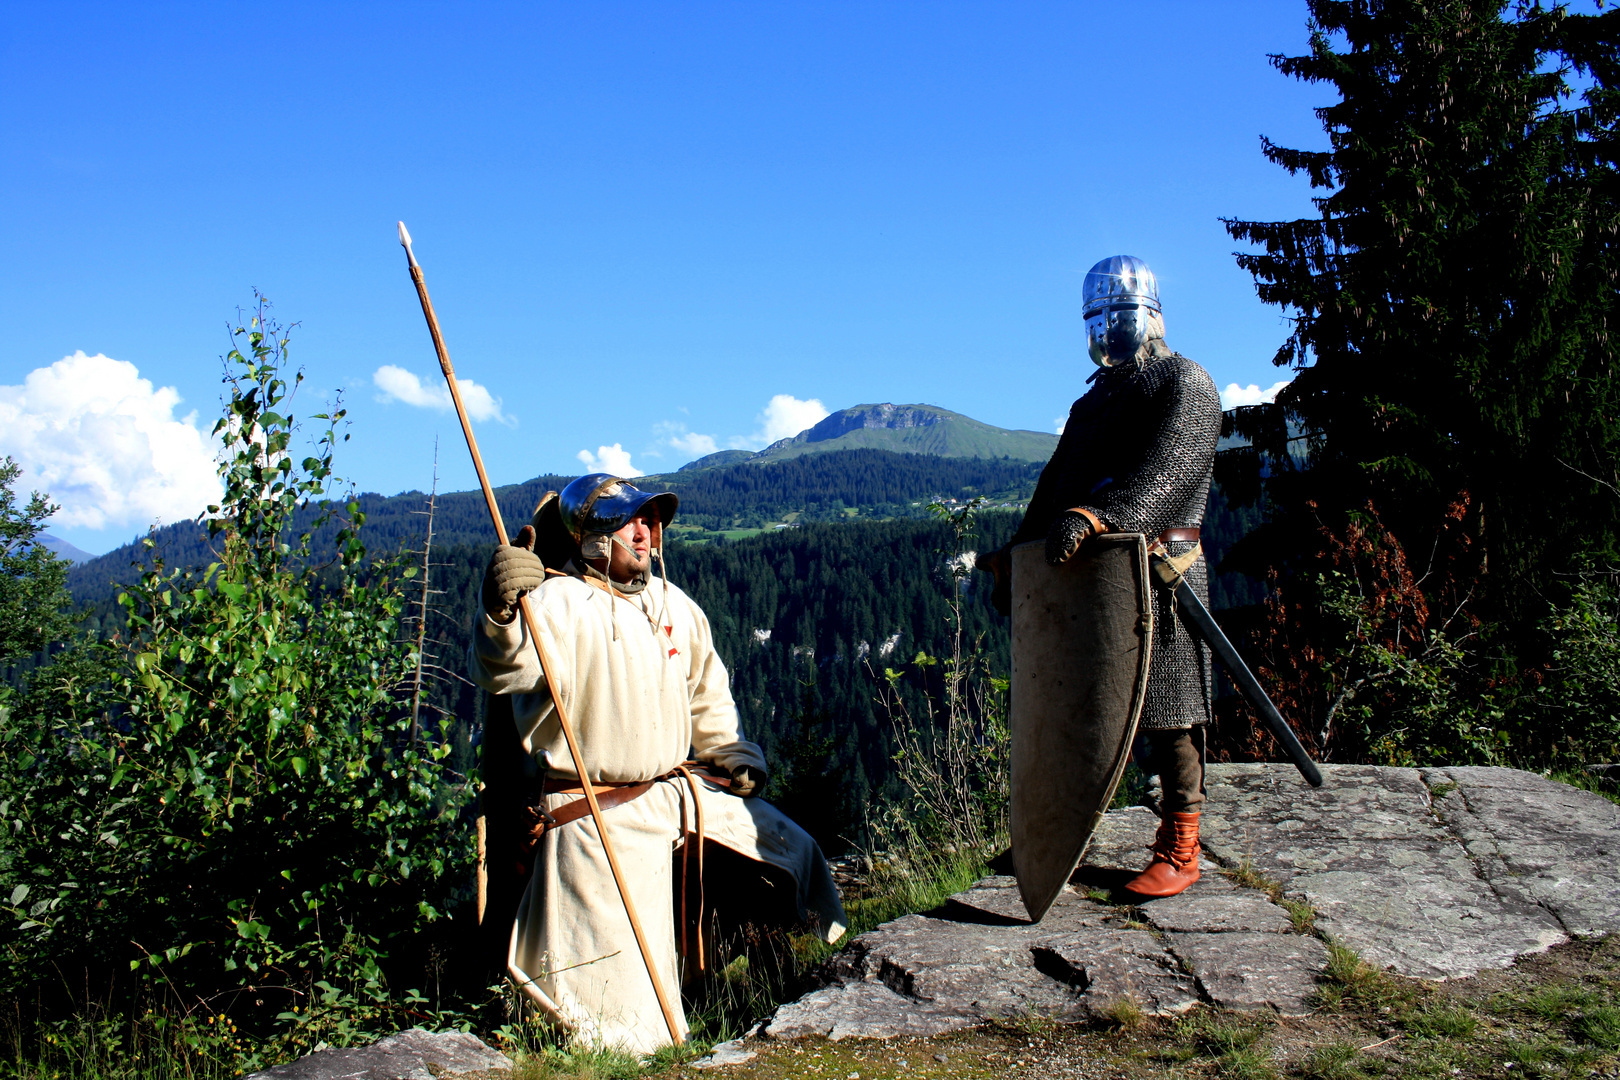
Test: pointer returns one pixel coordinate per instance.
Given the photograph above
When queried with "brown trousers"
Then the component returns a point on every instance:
(1176, 756)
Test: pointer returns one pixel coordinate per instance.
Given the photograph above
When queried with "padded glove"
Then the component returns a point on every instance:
(746, 781)
(1063, 539)
(999, 564)
(514, 569)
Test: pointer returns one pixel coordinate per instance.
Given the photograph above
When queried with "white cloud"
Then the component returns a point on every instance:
(397, 384)
(1058, 424)
(784, 416)
(694, 444)
(106, 446)
(673, 434)
(613, 459)
(1235, 395)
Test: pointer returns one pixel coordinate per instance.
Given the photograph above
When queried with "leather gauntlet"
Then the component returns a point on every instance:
(513, 570)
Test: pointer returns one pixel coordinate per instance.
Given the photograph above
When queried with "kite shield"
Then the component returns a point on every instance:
(1082, 638)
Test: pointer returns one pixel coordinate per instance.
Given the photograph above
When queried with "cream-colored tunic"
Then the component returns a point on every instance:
(643, 687)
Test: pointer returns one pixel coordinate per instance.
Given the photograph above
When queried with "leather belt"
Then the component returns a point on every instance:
(607, 797)
(1179, 536)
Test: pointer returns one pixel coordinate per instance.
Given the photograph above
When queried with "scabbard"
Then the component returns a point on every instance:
(1203, 626)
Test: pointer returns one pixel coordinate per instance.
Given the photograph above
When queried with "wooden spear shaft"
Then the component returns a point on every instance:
(534, 636)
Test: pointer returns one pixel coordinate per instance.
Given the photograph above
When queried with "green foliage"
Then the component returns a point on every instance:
(1449, 303)
(1232, 1041)
(952, 755)
(1335, 1061)
(1600, 1026)
(807, 619)
(95, 1046)
(221, 811)
(34, 601)
(1446, 1022)
(1579, 701)
(1375, 659)
(1450, 300)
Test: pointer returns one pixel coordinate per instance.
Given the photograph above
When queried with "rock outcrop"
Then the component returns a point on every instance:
(1435, 873)
(410, 1055)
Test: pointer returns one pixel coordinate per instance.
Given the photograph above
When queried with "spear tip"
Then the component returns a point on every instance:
(404, 236)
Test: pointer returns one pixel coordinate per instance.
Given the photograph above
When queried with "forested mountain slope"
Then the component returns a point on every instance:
(831, 486)
(806, 617)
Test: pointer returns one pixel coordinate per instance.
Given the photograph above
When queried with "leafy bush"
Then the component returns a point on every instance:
(223, 810)
(1580, 699)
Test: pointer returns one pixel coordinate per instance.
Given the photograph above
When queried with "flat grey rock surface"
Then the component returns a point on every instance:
(1407, 880)
(1247, 971)
(410, 1055)
(1435, 873)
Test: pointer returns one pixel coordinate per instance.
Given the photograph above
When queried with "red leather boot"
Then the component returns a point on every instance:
(1175, 859)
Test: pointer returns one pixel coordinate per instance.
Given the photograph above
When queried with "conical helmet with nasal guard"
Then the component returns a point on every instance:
(1120, 299)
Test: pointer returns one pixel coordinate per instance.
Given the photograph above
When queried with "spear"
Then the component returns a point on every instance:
(534, 637)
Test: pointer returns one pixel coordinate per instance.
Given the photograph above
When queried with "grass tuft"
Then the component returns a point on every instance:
(1600, 1026)
(1246, 875)
(1335, 1061)
(1351, 980)
(1220, 1033)
(1558, 1000)
(550, 1063)
(1301, 914)
(1446, 1023)
(1247, 1064)
(1125, 1014)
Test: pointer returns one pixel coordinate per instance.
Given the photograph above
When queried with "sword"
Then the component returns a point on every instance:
(1203, 626)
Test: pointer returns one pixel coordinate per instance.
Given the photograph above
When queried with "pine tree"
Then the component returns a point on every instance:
(1451, 297)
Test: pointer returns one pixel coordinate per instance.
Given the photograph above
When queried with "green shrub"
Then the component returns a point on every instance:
(222, 810)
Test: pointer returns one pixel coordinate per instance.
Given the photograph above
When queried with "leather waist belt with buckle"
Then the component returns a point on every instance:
(1179, 536)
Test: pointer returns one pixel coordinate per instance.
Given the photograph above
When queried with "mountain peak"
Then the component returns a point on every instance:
(887, 415)
(913, 429)
(904, 429)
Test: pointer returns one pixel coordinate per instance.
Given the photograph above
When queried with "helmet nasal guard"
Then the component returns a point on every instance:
(603, 503)
(1121, 305)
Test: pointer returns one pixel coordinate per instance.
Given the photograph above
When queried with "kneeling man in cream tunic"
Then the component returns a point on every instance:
(639, 678)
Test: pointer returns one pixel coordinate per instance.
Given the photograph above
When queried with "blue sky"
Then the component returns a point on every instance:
(641, 223)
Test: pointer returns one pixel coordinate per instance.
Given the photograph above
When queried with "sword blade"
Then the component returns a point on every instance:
(1203, 624)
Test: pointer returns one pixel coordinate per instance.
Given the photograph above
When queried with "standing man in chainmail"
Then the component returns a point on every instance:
(1136, 456)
